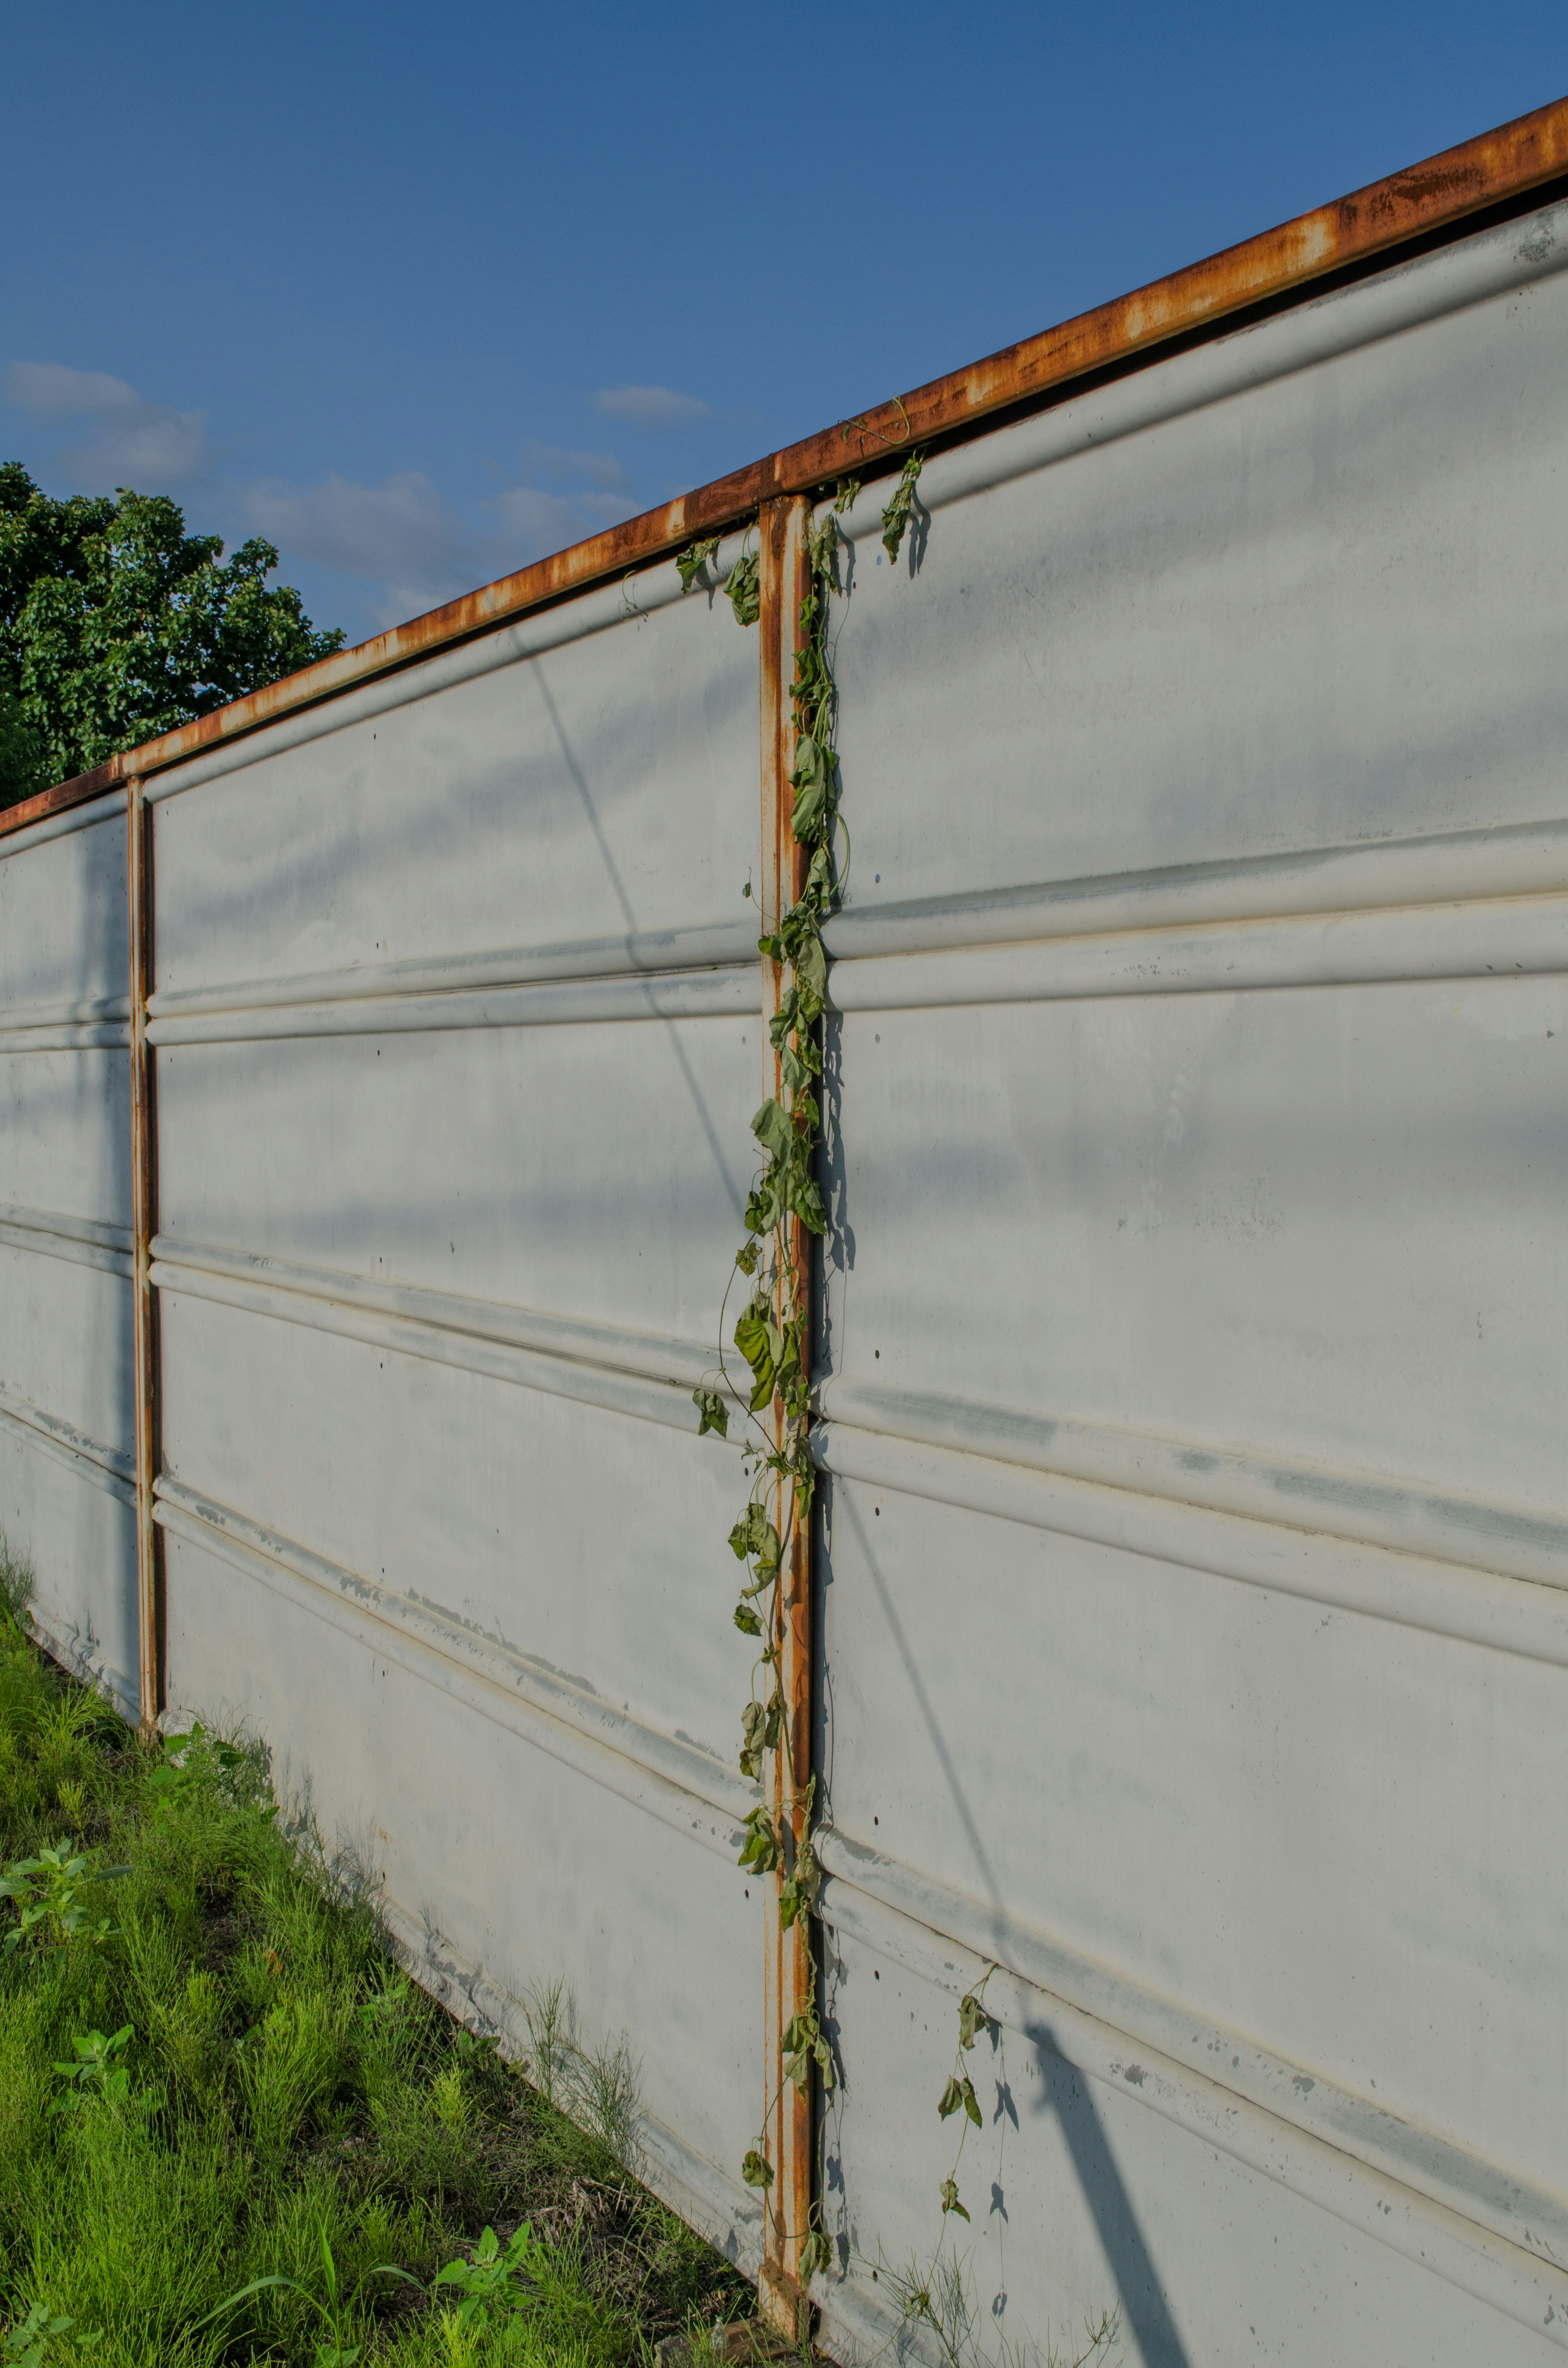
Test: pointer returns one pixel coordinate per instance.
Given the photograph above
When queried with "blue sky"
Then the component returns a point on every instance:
(424, 293)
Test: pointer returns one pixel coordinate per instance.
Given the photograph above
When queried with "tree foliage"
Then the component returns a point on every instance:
(116, 625)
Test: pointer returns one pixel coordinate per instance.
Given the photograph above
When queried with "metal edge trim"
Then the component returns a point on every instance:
(108, 1468)
(644, 954)
(66, 1226)
(72, 1247)
(112, 1037)
(1377, 1510)
(625, 1372)
(1464, 1605)
(709, 993)
(1519, 860)
(1396, 945)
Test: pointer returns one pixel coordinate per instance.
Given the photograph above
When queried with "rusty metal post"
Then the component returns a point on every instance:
(144, 1219)
(784, 582)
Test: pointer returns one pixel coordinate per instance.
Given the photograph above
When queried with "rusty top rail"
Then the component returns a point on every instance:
(1425, 199)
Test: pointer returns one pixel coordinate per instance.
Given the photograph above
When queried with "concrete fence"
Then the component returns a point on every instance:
(1188, 1634)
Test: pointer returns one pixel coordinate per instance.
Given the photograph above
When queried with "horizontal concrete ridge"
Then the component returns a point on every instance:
(1423, 201)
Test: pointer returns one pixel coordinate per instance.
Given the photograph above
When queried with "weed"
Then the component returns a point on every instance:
(206, 2099)
(334, 2308)
(50, 1896)
(95, 2070)
(15, 1585)
(39, 2339)
(492, 2280)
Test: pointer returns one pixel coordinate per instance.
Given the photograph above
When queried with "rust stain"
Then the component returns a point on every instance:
(144, 1220)
(783, 584)
(1430, 196)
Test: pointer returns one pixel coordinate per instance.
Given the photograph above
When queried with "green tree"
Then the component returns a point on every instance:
(116, 625)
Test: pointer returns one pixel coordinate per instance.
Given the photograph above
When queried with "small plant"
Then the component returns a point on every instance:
(335, 2312)
(187, 1759)
(16, 1586)
(38, 2339)
(939, 2300)
(48, 1894)
(493, 2282)
(552, 2049)
(97, 2070)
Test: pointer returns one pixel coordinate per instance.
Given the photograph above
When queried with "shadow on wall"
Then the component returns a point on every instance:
(1063, 2091)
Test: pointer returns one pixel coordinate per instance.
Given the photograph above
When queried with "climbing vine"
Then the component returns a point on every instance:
(772, 1333)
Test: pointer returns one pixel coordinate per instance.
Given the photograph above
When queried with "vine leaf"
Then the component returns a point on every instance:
(811, 777)
(752, 1340)
(895, 517)
(972, 2020)
(745, 589)
(950, 2198)
(816, 2254)
(693, 559)
(960, 2093)
(760, 1849)
(714, 1412)
(811, 971)
(748, 1620)
(756, 2170)
(773, 1130)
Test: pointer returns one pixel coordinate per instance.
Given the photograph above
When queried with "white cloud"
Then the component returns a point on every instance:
(558, 467)
(534, 523)
(401, 535)
(131, 442)
(649, 407)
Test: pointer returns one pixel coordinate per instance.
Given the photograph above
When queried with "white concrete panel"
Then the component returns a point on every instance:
(65, 1132)
(593, 1543)
(1083, 2200)
(1301, 1825)
(601, 788)
(65, 1342)
(1318, 1222)
(62, 915)
(591, 1170)
(520, 1864)
(74, 1523)
(1313, 606)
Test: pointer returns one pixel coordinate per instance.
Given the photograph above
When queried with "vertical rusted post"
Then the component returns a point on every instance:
(143, 1221)
(784, 583)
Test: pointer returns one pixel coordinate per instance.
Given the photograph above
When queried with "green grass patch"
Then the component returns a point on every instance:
(216, 2081)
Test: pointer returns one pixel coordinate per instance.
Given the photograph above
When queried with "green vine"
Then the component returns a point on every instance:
(959, 2095)
(772, 1333)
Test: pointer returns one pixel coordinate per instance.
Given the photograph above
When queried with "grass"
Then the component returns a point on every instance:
(215, 2081)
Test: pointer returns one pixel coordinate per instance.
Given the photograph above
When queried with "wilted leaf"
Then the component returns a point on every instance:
(744, 589)
(693, 559)
(714, 1412)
